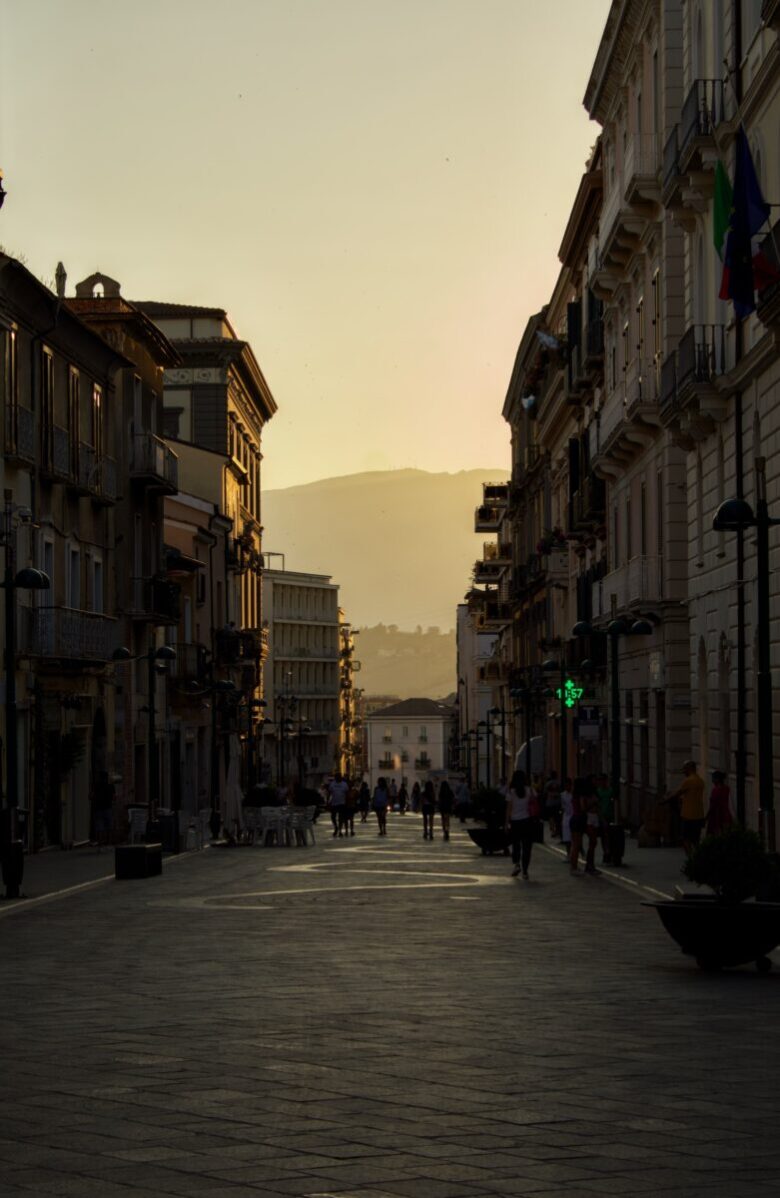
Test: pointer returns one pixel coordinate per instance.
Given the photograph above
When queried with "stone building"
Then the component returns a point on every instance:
(409, 741)
(301, 739)
(720, 390)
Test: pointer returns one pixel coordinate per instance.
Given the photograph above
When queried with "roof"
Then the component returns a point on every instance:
(160, 308)
(413, 708)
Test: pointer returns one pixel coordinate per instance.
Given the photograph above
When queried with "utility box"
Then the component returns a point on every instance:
(137, 861)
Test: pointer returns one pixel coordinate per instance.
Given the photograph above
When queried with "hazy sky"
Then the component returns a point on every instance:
(375, 190)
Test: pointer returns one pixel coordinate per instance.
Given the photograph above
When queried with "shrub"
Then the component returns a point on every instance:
(733, 863)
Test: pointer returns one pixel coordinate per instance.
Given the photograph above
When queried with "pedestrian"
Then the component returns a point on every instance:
(719, 815)
(578, 821)
(381, 801)
(349, 809)
(393, 792)
(592, 824)
(462, 800)
(606, 804)
(690, 796)
(337, 795)
(567, 809)
(552, 803)
(403, 798)
(446, 803)
(364, 801)
(428, 808)
(416, 798)
(522, 815)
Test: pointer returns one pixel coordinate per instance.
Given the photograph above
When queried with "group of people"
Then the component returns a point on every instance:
(344, 799)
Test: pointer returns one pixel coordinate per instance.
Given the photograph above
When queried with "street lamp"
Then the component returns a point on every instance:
(568, 696)
(614, 630)
(486, 725)
(157, 660)
(498, 717)
(26, 580)
(733, 516)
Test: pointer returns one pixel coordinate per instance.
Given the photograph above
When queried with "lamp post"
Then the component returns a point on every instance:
(498, 717)
(566, 701)
(486, 725)
(615, 629)
(732, 516)
(27, 579)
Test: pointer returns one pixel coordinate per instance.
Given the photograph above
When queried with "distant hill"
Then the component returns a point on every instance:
(407, 664)
(400, 543)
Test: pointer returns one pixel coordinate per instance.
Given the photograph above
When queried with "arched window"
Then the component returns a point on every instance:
(699, 510)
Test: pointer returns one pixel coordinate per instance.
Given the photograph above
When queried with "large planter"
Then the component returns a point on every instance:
(722, 935)
(490, 840)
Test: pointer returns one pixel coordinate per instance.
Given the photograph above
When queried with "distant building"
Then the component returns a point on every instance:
(478, 673)
(409, 741)
(303, 676)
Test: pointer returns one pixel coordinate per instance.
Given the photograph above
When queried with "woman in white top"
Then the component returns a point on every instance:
(522, 810)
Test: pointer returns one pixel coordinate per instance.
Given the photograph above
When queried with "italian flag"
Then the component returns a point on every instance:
(723, 203)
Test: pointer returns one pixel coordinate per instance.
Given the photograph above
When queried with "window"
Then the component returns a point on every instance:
(97, 420)
(73, 419)
(423, 734)
(387, 735)
(11, 375)
(629, 546)
(73, 576)
(47, 407)
(640, 330)
(615, 538)
(98, 604)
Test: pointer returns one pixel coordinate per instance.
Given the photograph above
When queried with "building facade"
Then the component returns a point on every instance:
(302, 736)
(410, 742)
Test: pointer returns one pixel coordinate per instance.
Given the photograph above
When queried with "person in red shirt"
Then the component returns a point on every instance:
(719, 815)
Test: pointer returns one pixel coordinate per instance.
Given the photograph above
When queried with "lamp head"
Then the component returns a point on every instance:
(121, 654)
(733, 515)
(641, 627)
(165, 653)
(550, 665)
(617, 628)
(582, 628)
(32, 580)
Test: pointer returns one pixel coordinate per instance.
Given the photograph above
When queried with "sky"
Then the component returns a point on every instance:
(375, 190)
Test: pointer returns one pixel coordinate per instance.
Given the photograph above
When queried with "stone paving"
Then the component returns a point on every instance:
(376, 1018)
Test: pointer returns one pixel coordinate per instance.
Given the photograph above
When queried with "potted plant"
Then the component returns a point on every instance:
(489, 807)
(721, 927)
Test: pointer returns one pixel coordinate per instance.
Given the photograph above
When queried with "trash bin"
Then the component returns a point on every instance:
(616, 841)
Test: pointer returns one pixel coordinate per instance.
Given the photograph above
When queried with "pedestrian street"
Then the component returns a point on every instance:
(372, 1018)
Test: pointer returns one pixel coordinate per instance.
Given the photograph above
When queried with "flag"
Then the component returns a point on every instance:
(721, 208)
(749, 211)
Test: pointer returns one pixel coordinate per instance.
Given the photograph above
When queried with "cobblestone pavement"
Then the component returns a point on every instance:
(376, 1018)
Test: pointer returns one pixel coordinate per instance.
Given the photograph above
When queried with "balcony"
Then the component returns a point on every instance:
(237, 645)
(641, 188)
(423, 763)
(55, 453)
(702, 112)
(492, 671)
(386, 763)
(153, 464)
(190, 664)
(689, 395)
(690, 148)
(94, 475)
(19, 434)
(69, 635)
(154, 600)
(488, 572)
(487, 518)
(495, 493)
(589, 503)
(637, 583)
(629, 418)
(495, 615)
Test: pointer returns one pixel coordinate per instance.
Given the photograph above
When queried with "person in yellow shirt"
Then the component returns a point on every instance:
(690, 795)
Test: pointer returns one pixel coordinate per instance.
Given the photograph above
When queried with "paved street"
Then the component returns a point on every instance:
(372, 1018)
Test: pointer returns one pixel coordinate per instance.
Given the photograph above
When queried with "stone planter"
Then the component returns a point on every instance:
(721, 935)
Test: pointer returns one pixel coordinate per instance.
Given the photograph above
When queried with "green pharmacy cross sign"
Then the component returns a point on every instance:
(570, 692)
